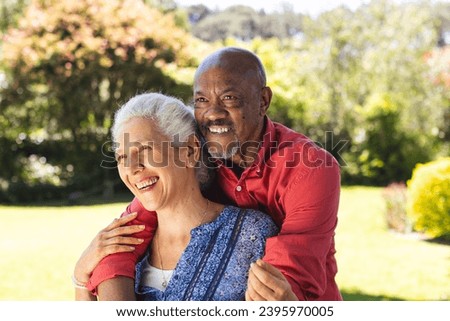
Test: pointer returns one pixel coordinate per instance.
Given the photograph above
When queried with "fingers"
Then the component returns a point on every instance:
(115, 237)
(266, 282)
(252, 295)
(123, 230)
(259, 284)
(112, 239)
(256, 290)
(265, 276)
(271, 269)
(121, 221)
(121, 240)
(115, 248)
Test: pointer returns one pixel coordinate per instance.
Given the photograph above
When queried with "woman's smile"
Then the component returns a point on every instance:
(147, 183)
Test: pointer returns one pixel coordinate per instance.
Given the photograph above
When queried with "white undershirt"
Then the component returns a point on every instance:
(153, 277)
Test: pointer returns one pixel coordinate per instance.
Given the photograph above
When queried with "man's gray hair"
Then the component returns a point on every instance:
(173, 119)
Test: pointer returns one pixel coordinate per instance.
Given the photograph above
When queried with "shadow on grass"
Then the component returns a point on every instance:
(440, 240)
(360, 296)
(81, 200)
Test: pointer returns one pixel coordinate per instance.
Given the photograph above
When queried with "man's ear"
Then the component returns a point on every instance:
(266, 98)
(194, 150)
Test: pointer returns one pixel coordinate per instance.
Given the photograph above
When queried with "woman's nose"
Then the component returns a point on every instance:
(135, 164)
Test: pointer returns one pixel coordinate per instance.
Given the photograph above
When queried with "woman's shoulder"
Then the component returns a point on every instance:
(254, 220)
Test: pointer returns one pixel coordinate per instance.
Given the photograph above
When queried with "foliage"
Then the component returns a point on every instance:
(333, 83)
(10, 10)
(439, 62)
(366, 60)
(370, 86)
(394, 196)
(243, 22)
(385, 152)
(69, 65)
(429, 198)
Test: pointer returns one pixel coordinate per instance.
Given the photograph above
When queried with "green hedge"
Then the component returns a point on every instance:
(429, 198)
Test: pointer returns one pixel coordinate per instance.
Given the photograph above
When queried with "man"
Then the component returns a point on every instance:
(261, 165)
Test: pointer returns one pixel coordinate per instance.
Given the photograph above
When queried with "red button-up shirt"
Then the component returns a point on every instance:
(298, 185)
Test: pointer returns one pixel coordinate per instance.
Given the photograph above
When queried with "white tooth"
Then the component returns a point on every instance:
(147, 183)
(219, 130)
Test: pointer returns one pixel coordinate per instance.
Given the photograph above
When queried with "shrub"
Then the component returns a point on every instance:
(429, 198)
(395, 200)
(387, 152)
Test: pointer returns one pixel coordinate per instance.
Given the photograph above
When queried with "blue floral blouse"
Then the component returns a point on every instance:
(214, 265)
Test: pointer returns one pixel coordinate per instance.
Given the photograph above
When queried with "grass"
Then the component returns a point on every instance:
(376, 264)
(41, 244)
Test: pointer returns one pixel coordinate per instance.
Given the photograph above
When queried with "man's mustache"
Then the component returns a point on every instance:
(217, 123)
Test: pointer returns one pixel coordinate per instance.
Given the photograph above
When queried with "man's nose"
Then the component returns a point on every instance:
(217, 110)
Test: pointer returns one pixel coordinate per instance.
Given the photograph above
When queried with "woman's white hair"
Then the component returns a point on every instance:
(172, 117)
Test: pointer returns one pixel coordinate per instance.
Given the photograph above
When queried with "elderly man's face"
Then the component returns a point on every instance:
(229, 109)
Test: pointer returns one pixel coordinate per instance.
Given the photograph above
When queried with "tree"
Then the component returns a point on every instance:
(197, 13)
(326, 82)
(10, 10)
(348, 57)
(69, 65)
(243, 23)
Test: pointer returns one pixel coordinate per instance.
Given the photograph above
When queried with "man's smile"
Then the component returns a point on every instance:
(218, 129)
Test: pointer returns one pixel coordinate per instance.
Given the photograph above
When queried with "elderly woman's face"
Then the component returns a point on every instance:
(154, 171)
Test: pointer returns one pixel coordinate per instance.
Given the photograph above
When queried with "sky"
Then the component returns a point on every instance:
(311, 7)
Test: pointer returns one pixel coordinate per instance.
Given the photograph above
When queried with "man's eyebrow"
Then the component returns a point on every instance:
(229, 89)
(226, 90)
(198, 92)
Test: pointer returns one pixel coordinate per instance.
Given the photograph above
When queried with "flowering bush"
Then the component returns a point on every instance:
(395, 210)
(429, 198)
(68, 66)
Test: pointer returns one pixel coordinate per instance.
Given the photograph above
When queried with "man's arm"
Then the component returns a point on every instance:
(123, 264)
(117, 289)
(304, 249)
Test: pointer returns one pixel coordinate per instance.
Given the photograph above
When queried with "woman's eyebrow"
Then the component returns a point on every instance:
(117, 154)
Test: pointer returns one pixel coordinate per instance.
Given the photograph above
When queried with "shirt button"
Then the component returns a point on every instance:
(239, 188)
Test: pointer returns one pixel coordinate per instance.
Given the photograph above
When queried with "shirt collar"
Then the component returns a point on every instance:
(267, 144)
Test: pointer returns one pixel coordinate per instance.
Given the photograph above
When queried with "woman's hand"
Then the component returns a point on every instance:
(267, 283)
(112, 239)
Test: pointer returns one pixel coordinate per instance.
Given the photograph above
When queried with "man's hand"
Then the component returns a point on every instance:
(114, 238)
(267, 283)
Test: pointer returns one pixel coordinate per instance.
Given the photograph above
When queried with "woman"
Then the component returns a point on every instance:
(201, 250)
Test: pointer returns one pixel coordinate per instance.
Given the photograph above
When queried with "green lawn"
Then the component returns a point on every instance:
(376, 264)
(40, 245)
